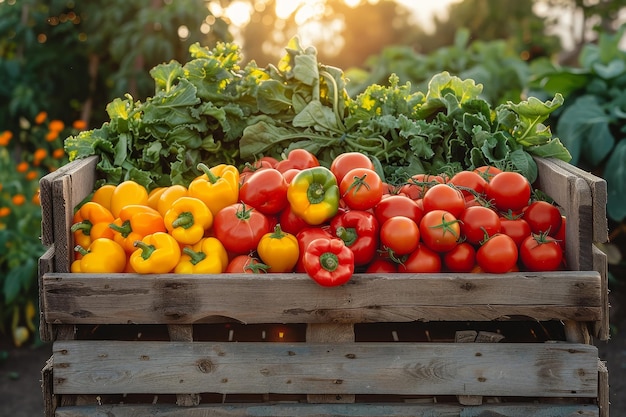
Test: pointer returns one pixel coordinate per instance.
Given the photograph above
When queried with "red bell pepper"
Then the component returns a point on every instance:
(306, 236)
(359, 231)
(329, 262)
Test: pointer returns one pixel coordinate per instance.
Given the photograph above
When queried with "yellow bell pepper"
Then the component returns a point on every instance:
(126, 193)
(134, 222)
(102, 256)
(154, 196)
(91, 222)
(171, 194)
(218, 187)
(188, 219)
(158, 253)
(103, 195)
(208, 256)
(279, 250)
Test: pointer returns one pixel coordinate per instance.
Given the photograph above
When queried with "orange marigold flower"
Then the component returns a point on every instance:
(56, 125)
(18, 199)
(41, 117)
(5, 137)
(36, 197)
(58, 153)
(52, 135)
(22, 166)
(40, 154)
(4, 211)
(79, 125)
(32, 175)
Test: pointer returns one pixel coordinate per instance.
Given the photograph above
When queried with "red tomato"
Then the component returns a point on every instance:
(543, 217)
(541, 253)
(290, 222)
(348, 161)
(397, 205)
(497, 255)
(487, 172)
(560, 235)
(246, 264)
(421, 260)
(400, 234)
(298, 159)
(265, 190)
(509, 191)
(380, 265)
(240, 228)
(479, 223)
(440, 230)
(469, 183)
(444, 197)
(517, 228)
(361, 189)
(418, 184)
(462, 258)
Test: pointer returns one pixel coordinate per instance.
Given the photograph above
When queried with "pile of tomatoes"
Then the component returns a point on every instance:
(296, 215)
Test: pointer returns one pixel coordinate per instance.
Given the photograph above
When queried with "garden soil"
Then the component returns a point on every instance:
(20, 373)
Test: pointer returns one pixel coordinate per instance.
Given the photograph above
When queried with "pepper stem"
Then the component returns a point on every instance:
(315, 193)
(81, 250)
(207, 171)
(146, 250)
(84, 226)
(184, 220)
(196, 257)
(125, 229)
(329, 261)
(348, 235)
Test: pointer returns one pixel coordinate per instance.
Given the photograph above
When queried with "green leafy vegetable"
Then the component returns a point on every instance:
(214, 110)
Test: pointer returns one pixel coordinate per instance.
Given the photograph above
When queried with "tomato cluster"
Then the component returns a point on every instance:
(296, 215)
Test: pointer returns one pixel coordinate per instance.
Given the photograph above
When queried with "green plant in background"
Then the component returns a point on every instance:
(592, 121)
(494, 64)
(25, 157)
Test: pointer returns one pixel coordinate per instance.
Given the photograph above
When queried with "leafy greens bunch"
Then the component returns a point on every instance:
(213, 110)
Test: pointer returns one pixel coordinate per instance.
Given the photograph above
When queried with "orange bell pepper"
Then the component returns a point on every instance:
(136, 221)
(91, 222)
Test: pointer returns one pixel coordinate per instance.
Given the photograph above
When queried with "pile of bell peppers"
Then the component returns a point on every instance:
(292, 215)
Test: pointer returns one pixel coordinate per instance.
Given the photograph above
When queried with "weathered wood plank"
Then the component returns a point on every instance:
(503, 369)
(335, 410)
(330, 333)
(571, 193)
(45, 265)
(294, 298)
(68, 191)
(601, 328)
(50, 205)
(599, 196)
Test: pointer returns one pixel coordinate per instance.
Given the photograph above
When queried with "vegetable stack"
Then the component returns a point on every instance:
(287, 216)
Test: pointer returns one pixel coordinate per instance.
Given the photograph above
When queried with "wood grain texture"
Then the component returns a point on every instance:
(542, 370)
(335, 410)
(294, 298)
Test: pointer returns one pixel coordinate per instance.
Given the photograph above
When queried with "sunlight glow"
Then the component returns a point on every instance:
(238, 12)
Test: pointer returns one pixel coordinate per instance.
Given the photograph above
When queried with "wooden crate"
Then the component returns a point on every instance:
(280, 345)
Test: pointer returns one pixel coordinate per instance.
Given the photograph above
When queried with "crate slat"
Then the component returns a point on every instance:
(334, 410)
(114, 367)
(294, 298)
